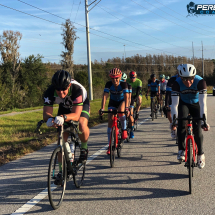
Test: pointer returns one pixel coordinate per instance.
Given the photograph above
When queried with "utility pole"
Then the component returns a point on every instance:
(193, 53)
(202, 62)
(88, 52)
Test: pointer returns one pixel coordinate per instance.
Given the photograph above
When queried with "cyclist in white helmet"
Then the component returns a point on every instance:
(189, 96)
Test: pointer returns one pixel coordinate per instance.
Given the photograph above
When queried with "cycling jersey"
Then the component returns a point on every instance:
(168, 100)
(116, 95)
(153, 85)
(163, 85)
(136, 86)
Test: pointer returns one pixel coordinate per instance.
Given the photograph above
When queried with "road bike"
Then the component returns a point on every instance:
(74, 170)
(135, 115)
(154, 104)
(115, 143)
(191, 149)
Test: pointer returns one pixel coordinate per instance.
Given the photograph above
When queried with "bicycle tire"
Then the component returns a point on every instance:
(129, 132)
(155, 105)
(152, 109)
(78, 168)
(134, 115)
(190, 159)
(56, 192)
(112, 147)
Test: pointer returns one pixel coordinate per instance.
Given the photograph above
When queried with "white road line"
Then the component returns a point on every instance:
(30, 204)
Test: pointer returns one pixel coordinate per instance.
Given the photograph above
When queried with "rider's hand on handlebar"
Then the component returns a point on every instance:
(205, 128)
(50, 122)
(127, 111)
(100, 112)
(59, 120)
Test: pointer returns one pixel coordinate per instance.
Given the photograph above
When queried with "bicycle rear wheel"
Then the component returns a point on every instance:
(78, 168)
(112, 147)
(189, 159)
(56, 190)
(134, 115)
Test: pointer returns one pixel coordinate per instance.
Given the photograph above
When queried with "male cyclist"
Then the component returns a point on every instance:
(73, 105)
(168, 100)
(136, 90)
(189, 96)
(154, 85)
(131, 102)
(163, 84)
(119, 99)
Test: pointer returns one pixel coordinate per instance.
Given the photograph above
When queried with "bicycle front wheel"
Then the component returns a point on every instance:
(112, 146)
(189, 159)
(78, 168)
(56, 184)
(152, 109)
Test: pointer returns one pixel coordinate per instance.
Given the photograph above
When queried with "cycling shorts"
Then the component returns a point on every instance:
(114, 104)
(132, 102)
(154, 93)
(163, 92)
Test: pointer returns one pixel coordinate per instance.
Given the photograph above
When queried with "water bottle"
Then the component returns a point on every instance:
(72, 149)
(68, 151)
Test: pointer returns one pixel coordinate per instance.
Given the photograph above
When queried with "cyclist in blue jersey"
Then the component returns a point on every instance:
(189, 96)
(154, 85)
(131, 105)
(119, 99)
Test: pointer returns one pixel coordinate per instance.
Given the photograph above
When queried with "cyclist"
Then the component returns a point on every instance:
(136, 90)
(154, 85)
(163, 84)
(131, 102)
(119, 99)
(192, 90)
(168, 100)
(73, 105)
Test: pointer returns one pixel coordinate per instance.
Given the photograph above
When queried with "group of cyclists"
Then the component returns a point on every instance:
(185, 93)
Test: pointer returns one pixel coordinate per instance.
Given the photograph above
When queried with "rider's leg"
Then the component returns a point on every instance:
(169, 115)
(139, 103)
(84, 132)
(122, 118)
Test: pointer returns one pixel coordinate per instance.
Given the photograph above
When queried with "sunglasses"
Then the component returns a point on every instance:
(132, 77)
(60, 89)
(187, 78)
(115, 78)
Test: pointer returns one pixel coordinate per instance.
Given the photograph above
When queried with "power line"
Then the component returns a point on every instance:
(77, 10)
(151, 27)
(94, 5)
(85, 26)
(71, 10)
(169, 20)
(142, 31)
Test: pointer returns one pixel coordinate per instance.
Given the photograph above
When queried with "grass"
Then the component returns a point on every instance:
(17, 136)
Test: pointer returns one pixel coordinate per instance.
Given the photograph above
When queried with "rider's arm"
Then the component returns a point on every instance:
(138, 91)
(175, 99)
(75, 113)
(104, 99)
(158, 83)
(202, 87)
(47, 112)
(125, 89)
(126, 98)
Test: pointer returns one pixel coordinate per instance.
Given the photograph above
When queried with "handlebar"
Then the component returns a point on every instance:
(114, 111)
(190, 118)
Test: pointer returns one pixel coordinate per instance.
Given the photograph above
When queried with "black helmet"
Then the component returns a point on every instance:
(152, 76)
(61, 80)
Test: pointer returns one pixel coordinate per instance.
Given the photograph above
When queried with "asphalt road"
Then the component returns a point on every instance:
(147, 179)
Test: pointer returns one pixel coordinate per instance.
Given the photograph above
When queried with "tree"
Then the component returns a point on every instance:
(9, 47)
(69, 37)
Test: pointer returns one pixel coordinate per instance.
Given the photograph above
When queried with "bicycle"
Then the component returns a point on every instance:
(128, 131)
(135, 115)
(75, 170)
(154, 104)
(191, 149)
(162, 104)
(116, 136)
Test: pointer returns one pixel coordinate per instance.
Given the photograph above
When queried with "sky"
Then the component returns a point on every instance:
(118, 28)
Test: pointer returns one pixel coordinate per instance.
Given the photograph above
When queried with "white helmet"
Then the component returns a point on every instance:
(187, 70)
(179, 67)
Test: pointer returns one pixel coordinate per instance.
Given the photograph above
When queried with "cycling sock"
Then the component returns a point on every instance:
(108, 133)
(84, 145)
(132, 128)
(123, 122)
(60, 166)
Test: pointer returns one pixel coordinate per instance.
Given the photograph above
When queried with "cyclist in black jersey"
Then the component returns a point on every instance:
(73, 105)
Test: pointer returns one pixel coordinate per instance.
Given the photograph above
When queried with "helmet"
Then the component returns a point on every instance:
(162, 76)
(115, 73)
(61, 80)
(124, 76)
(152, 76)
(179, 67)
(167, 77)
(132, 74)
(187, 70)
